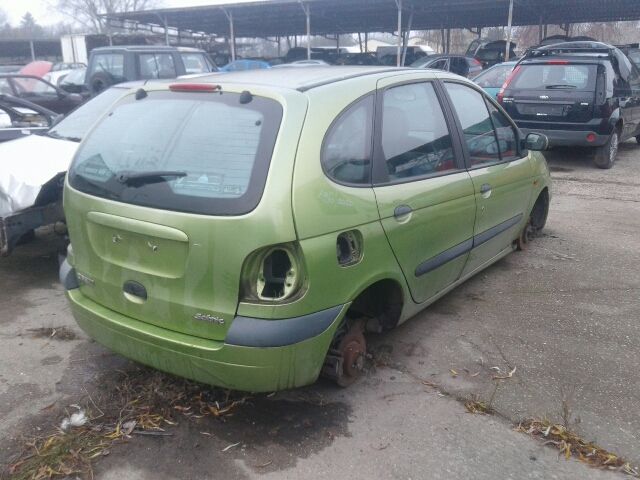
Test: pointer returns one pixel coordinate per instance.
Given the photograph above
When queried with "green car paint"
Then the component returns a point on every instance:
(198, 315)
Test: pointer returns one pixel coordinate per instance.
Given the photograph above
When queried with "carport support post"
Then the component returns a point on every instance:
(33, 50)
(507, 48)
(399, 50)
(166, 32)
(540, 30)
(232, 34)
(405, 39)
(307, 14)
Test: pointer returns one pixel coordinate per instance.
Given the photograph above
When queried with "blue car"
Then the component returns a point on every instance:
(491, 79)
(239, 65)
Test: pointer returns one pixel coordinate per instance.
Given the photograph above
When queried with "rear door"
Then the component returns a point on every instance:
(554, 92)
(501, 173)
(425, 196)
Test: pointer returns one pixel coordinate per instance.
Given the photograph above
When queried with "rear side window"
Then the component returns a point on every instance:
(415, 139)
(156, 65)
(109, 63)
(212, 151)
(196, 63)
(346, 151)
(555, 76)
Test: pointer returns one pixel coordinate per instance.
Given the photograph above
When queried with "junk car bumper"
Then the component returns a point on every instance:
(569, 138)
(219, 363)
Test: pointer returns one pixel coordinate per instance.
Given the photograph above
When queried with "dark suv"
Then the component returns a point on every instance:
(111, 65)
(578, 94)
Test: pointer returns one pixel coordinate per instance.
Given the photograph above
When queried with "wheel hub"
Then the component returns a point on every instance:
(352, 351)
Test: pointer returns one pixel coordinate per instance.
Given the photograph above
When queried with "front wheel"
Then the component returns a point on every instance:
(638, 138)
(605, 155)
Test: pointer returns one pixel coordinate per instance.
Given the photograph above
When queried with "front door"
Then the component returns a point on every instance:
(501, 173)
(425, 196)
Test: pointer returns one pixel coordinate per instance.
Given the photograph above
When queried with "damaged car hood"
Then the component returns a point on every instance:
(28, 163)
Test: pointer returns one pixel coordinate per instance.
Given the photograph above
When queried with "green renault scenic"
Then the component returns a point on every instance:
(247, 230)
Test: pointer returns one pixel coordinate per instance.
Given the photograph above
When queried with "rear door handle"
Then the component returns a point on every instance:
(485, 188)
(402, 210)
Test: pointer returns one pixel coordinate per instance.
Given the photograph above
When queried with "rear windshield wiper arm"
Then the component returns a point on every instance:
(561, 85)
(132, 178)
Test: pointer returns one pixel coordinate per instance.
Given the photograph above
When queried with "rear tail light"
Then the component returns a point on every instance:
(591, 137)
(506, 83)
(475, 61)
(274, 274)
(558, 62)
(194, 87)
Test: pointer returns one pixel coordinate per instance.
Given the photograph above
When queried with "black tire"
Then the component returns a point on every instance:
(99, 81)
(605, 156)
(638, 139)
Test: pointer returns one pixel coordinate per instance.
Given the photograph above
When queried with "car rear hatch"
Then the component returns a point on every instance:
(552, 92)
(171, 192)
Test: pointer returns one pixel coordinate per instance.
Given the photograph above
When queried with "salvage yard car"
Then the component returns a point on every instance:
(247, 229)
(584, 94)
(32, 169)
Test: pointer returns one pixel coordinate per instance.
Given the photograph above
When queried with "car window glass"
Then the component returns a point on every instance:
(506, 133)
(346, 151)
(195, 63)
(5, 118)
(540, 77)
(156, 65)
(75, 125)
(33, 86)
(439, 64)
(221, 149)
(477, 128)
(5, 88)
(415, 138)
(109, 63)
(494, 77)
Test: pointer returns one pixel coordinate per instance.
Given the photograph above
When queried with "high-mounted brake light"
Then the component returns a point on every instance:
(194, 87)
(558, 62)
(506, 83)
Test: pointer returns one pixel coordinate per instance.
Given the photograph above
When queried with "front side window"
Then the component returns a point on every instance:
(477, 128)
(346, 151)
(110, 63)
(189, 152)
(506, 133)
(156, 65)
(27, 86)
(415, 140)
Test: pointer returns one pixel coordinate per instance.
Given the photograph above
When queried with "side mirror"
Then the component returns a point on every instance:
(536, 141)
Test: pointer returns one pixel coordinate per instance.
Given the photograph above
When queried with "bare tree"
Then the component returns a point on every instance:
(89, 12)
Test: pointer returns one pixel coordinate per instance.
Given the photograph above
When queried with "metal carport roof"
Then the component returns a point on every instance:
(287, 17)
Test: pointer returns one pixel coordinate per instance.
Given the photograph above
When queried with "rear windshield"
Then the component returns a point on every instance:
(551, 76)
(74, 126)
(203, 153)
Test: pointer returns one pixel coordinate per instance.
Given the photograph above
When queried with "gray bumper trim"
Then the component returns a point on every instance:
(68, 276)
(257, 332)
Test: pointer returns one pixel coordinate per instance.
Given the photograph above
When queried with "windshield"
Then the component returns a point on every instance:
(494, 77)
(551, 76)
(191, 152)
(77, 123)
(75, 77)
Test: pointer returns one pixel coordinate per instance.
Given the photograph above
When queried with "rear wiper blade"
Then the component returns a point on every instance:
(133, 178)
(561, 85)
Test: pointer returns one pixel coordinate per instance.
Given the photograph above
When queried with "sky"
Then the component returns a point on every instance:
(45, 13)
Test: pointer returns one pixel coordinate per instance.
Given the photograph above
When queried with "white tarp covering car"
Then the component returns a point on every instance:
(32, 169)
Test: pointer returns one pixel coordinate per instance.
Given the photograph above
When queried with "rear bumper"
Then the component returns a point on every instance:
(238, 367)
(569, 138)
